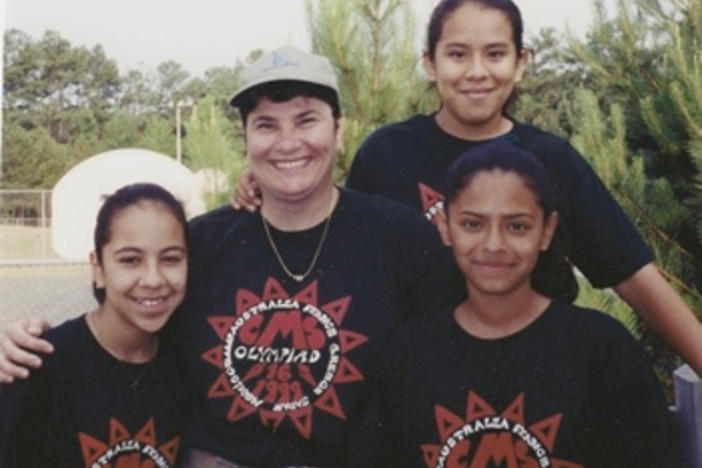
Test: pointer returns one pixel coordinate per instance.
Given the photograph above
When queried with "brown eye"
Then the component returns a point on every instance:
(172, 259)
(129, 261)
(471, 224)
(518, 227)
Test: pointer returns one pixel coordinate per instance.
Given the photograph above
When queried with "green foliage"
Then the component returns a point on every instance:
(171, 77)
(372, 45)
(49, 79)
(221, 82)
(547, 90)
(641, 131)
(158, 135)
(647, 63)
(211, 146)
(121, 131)
(31, 158)
(606, 300)
(137, 96)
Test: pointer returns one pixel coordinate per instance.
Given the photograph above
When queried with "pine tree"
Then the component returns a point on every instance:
(642, 131)
(210, 145)
(372, 44)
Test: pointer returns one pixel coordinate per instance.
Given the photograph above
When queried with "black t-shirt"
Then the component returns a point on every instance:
(282, 368)
(79, 410)
(406, 161)
(572, 389)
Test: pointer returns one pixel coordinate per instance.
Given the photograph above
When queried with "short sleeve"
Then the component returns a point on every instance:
(602, 241)
(362, 174)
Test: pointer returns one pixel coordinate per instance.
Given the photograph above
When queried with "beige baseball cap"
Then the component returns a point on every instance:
(287, 63)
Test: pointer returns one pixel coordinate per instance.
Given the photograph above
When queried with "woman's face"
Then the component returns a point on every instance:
(497, 230)
(291, 147)
(475, 67)
(144, 267)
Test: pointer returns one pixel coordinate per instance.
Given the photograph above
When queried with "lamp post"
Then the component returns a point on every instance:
(179, 151)
(178, 105)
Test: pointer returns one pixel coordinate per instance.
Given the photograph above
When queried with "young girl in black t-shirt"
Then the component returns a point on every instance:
(111, 393)
(515, 375)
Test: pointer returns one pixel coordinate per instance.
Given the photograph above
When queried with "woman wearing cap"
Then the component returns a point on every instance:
(287, 308)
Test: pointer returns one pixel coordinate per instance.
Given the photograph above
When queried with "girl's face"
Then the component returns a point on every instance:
(475, 67)
(144, 267)
(497, 230)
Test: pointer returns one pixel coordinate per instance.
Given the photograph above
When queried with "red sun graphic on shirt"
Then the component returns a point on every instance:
(432, 202)
(486, 439)
(282, 357)
(124, 450)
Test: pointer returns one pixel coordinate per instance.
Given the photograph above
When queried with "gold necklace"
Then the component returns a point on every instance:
(133, 384)
(299, 277)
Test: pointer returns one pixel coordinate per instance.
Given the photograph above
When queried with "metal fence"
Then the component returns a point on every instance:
(25, 223)
(34, 281)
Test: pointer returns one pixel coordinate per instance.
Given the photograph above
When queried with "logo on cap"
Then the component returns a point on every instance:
(279, 61)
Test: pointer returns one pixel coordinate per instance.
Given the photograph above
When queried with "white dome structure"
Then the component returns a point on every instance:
(79, 194)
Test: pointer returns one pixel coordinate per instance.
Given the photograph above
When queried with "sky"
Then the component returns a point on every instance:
(140, 34)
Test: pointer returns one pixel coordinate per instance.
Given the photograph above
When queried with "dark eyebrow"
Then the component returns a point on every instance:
(497, 44)
(264, 118)
(482, 215)
(306, 113)
(127, 249)
(471, 213)
(174, 247)
(132, 249)
(459, 45)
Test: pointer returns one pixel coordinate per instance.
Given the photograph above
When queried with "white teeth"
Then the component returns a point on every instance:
(290, 164)
(150, 302)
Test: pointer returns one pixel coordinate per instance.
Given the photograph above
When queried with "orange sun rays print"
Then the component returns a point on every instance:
(485, 439)
(124, 450)
(283, 357)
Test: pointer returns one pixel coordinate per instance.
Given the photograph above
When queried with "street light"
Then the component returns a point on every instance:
(178, 105)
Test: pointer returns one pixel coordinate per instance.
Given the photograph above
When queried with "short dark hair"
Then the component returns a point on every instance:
(120, 200)
(553, 274)
(285, 90)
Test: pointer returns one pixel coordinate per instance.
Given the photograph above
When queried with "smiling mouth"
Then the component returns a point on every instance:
(151, 302)
(477, 93)
(493, 265)
(292, 164)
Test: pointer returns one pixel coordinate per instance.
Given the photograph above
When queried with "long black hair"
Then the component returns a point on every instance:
(553, 274)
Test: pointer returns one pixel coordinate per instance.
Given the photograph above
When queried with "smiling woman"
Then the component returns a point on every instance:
(291, 148)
